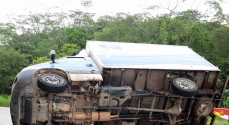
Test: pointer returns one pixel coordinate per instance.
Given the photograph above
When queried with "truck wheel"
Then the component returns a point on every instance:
(52, 83)
(184, 87)
(202, 107)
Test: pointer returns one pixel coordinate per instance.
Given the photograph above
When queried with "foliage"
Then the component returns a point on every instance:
(201, 42)
(5, 100)
(225, 102)
(11, 63)
(224, 66)
(220, 36)
(74, 36)
(66, 50)
(218, 121)
(40, 60)
(43, 47)
(69, 50)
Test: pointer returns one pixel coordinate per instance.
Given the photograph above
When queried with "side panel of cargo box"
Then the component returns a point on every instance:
(151, 68)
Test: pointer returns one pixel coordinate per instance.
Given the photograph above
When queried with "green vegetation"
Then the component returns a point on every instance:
(218, 121)
(5, 100)
(12, 61)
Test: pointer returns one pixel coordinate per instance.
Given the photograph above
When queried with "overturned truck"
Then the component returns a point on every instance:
(118, 84)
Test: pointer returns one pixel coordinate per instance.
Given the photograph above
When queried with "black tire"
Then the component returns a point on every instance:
(199, 107)
(52, 83)
(184, 87)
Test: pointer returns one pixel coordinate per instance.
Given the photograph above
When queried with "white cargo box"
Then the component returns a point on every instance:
(146, 56)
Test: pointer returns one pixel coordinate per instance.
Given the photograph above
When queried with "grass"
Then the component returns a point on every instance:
(219, 121)
(5, 100)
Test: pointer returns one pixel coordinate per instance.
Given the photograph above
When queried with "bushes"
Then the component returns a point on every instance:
(5, 100)
(11, 62)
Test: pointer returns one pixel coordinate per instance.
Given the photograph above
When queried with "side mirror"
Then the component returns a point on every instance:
(52, 55)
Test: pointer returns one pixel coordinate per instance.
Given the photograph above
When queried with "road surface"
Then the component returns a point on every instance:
(5, 118)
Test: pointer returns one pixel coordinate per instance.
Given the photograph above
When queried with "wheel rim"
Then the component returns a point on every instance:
(185, 84)
(52, 80)
(204, 109)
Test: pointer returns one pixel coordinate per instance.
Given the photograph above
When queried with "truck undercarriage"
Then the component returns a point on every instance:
(116, 101)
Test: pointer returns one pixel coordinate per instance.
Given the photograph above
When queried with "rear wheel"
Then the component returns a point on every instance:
(52, 83)
(184, 87)
(202, 107)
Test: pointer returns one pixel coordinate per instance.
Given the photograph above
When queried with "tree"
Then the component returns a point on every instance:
(76, 36)
(201, 42)
(122, 28)
(69, 50)
(66, 50)
(220, 36)
(11, 63)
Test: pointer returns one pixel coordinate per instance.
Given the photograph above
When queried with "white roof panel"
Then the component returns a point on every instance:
(146, 56)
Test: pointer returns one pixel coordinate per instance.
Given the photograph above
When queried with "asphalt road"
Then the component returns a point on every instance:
(5, 118)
